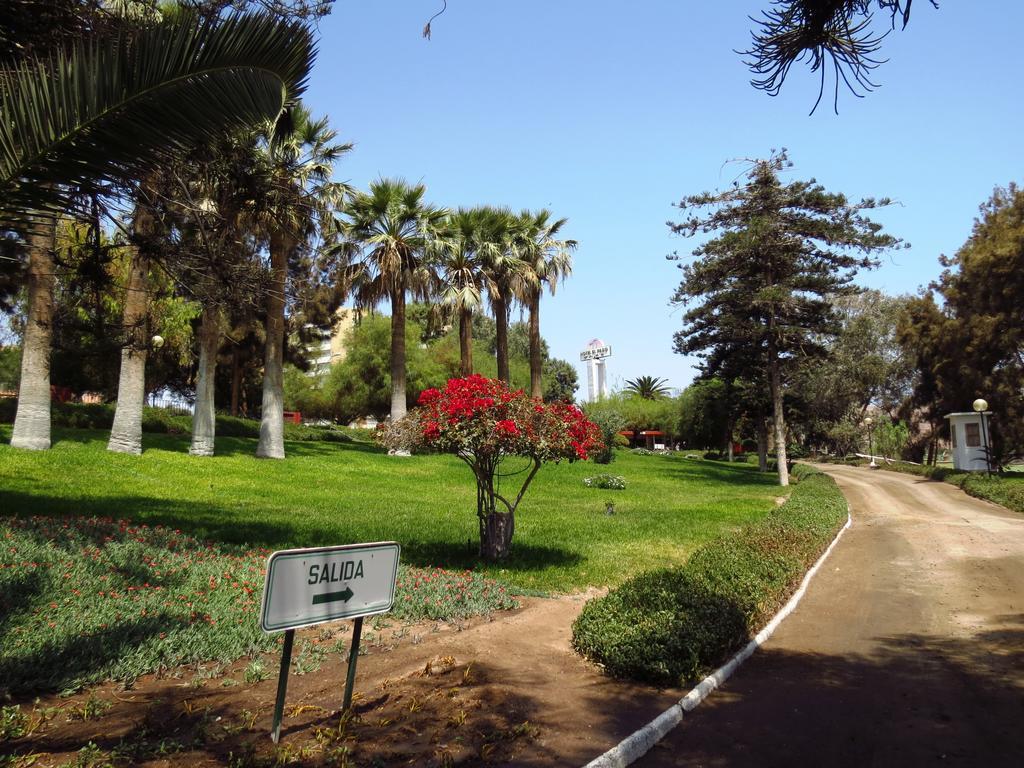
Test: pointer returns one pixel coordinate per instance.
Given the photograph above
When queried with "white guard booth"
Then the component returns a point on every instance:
(969, 439)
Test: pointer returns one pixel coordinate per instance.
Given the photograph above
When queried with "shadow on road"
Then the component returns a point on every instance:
(916, 700)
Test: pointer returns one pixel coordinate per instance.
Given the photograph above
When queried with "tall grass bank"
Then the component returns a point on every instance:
(671, 626)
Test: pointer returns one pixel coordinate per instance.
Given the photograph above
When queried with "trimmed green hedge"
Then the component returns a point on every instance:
(672, 626)
(164, 421)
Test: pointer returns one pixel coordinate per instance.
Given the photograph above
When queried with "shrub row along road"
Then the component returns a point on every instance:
(908, 648)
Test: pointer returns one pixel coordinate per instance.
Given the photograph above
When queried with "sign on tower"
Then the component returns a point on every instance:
(594, 356)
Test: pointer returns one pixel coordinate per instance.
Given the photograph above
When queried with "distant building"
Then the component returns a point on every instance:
(331, 347)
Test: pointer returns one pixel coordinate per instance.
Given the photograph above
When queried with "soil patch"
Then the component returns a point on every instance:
(503, 690)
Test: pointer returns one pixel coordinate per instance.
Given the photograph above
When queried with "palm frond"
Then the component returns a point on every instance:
(110, 109)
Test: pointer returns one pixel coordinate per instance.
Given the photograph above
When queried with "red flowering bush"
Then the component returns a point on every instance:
(484, 423)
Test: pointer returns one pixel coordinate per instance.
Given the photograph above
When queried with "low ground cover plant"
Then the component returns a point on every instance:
(607, 482)
(88, 599)
(672, 625)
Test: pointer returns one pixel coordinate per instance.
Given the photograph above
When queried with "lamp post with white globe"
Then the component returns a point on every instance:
(980, 407)
(870, 423)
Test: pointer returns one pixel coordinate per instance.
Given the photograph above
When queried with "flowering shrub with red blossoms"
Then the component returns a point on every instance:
(484, 423)
(476, 416)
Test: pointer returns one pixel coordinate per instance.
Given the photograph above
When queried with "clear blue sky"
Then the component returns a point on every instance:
(608, 112)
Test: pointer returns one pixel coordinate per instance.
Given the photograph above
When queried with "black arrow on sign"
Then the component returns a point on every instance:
(332, 597)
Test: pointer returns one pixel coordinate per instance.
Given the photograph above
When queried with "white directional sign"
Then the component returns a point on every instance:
(596, 353)
(311, 586)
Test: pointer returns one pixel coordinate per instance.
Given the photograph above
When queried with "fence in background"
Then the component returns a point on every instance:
(172, 404)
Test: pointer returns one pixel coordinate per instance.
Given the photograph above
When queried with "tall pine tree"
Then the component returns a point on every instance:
(761, 287)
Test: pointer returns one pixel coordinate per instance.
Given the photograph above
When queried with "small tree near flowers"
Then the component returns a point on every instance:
(484, 423)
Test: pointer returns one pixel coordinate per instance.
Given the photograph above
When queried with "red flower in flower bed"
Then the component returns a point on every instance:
(483, 422)
(477, 417)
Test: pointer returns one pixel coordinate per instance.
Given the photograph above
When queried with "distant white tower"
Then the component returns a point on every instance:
(597, 379)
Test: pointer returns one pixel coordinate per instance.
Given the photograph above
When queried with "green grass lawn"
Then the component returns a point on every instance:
(327, 493)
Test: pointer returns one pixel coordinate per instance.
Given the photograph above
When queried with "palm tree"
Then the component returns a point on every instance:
(647, 387)
(113, 109)
(393, 239)
(204, 417)
(466, 248)
(103, 110)
(126, 431)
(215, 253)
(301, 198)
(546, 259)
(32, 419)
(499, 269)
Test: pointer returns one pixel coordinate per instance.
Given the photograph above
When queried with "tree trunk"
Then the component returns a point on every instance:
(779, 418)
(126, 432)
(32, 419)
(536, 387)
(496, 528)
(204, 421)
(466, 341)
(271, 442)
(496, 531)
(398, 407)
(236, 379)
(501, 338)
(762, 445)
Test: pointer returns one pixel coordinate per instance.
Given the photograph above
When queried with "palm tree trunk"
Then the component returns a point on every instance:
(536, 388)
(466, 340)
(204, 420)
(501, 338)
(126, 432)
(779, 418)
(271, 443)
(32, 419)
(398, 407)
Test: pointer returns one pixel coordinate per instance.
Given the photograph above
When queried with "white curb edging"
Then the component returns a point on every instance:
(635, 746)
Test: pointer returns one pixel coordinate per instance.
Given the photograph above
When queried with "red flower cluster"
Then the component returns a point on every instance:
(584, 435)
(463, 398)
(483, 417)
(506, 427)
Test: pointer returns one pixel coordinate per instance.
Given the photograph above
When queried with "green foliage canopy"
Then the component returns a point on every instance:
(705, 414)
(112, 108)
(759, 293)
(973, 344)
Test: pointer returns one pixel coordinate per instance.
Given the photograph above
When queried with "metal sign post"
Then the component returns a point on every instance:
(282, 684)
(353, 656)
(312, 586)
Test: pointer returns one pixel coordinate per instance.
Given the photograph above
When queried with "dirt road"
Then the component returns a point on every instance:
(908, 648)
